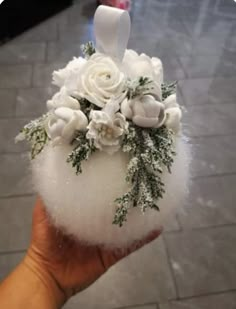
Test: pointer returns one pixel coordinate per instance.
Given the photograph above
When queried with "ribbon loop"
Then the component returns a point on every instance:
(112, 30)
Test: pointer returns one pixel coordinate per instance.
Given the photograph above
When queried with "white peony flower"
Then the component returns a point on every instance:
(107, 127)
(62, 99)
(135, 65)
(63, 123)
(69, 75)
(101, 80)
(173, 113)
(145, 111)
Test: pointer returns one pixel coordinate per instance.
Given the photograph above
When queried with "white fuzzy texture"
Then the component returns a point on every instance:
(83, 205)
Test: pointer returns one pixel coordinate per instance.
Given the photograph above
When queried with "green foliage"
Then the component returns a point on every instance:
(82, 151)
(168, 89)
(139, 86)
(151, 151)
(88, 49)
(86, 106)
(35, 133)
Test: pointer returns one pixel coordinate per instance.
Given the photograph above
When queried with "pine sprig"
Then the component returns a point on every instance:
(82, 151)
(88, 49)
(151, 150)
(35, 133)
(168, 89)
(139, 86)
(87, 106)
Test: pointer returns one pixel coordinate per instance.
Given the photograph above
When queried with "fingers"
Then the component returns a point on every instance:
(149, 238)
(109, 258)
(137, 245)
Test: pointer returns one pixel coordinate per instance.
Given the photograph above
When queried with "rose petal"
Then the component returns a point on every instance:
(151, 106)
(55, 127)
(138, 107)
(145, 122)
(173, 118)
(82, 122)
(126, 109)
(64, 113)
(171, 101)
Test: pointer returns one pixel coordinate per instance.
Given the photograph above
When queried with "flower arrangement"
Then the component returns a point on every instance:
(108, 106)
(102, 108)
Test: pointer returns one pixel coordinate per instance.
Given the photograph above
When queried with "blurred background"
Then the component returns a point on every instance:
(193, 264)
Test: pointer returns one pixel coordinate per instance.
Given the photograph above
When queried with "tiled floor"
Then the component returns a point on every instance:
(193, 265)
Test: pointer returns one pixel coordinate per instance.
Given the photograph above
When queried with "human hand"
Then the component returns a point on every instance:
(72, 266)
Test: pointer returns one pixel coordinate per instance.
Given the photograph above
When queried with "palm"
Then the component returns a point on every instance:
(73, 265)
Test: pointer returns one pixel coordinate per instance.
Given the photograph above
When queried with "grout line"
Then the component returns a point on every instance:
(12, 252)
(212, 135)
(17, 196)
(207, 104)
(210, 104)
(185, 298)
(181, 66)
(213, 175)
(180, 227)
(171, 269)
(189, 77)
(218, 78)
(138, 305)
(32, 75)
(20, 152)
(47, 53)
(192, 229)
(20, 117)
(209, 135)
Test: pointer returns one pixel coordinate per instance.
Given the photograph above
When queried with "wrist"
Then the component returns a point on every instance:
(38, 269)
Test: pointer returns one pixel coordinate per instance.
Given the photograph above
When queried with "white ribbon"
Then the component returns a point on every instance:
(112, 30)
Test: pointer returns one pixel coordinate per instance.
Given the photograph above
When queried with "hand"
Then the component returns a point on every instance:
(71, 265)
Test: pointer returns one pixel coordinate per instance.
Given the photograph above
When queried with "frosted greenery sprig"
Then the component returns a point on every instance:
(168, 89)
(88, 49)
(35, 133)
(82, 151)
(86, 106)
(150, 150)
(138, 86)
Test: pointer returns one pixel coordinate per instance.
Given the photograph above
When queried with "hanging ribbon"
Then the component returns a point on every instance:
(112, 30)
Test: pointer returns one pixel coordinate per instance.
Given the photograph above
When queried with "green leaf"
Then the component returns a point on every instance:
(88, 49)
(151, 151)
(35, 133)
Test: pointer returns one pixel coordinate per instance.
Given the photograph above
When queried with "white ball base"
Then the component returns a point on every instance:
(83, 205)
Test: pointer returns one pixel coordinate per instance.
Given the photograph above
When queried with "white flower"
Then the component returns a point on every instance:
(101, 80)
(69, 75)
(173, 113)
(135, 65)
(63, 123)
(107, 127)
(62, 99)
(145, 111)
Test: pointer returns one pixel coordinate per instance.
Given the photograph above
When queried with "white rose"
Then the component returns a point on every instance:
(135, 65)
(107, 127)
(69, 75)
(63, 123)
(173, 113)
(145, 111)
(101, 80)
(62, 99)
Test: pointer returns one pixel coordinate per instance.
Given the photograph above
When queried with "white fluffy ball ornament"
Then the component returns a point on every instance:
(103, 153)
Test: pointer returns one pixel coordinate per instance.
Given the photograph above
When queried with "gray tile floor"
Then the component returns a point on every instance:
(193, 265)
